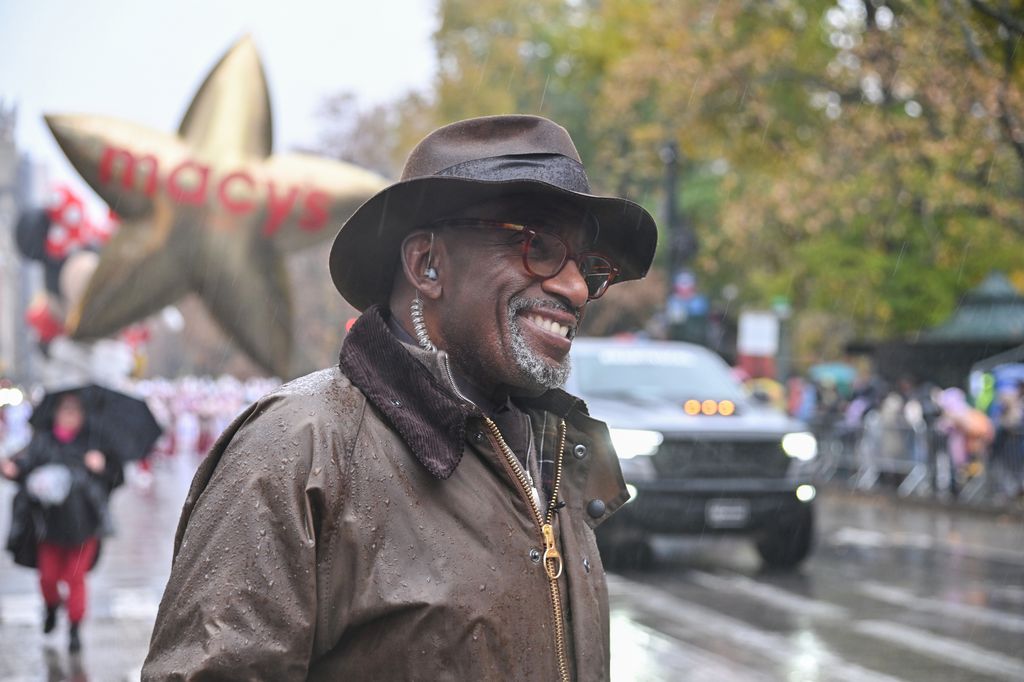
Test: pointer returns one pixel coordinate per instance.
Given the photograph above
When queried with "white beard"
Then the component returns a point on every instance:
(533, 367)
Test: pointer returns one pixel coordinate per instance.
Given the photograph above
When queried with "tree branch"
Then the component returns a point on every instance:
(1011, 128)
(1009, 21)
(973, 49)
(1010, 123)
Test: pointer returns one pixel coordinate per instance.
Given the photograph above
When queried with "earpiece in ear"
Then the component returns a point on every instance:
(431, 272)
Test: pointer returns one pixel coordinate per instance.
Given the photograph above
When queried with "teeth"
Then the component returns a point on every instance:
(549, 325)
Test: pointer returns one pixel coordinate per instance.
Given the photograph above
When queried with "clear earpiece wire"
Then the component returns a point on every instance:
(419, 326)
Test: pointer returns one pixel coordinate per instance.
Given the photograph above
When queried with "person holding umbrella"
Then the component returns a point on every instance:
(66, 475)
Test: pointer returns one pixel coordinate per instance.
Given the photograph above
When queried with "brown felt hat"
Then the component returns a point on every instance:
(473, 162)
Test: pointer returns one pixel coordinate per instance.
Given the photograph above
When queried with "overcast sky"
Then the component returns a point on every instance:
(143, 60)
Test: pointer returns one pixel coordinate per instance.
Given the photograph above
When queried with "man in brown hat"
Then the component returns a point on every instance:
(425, 510)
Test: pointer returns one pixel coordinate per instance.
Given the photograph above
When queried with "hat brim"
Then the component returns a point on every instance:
(365, 253)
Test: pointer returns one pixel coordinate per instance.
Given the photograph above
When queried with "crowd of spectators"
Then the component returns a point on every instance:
(866, 427)
(193, 411)
(962, 441)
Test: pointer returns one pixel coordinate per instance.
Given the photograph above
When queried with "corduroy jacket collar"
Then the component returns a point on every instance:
(408, 387)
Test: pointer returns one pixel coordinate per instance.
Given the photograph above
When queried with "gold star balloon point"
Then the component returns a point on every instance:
(208, 209)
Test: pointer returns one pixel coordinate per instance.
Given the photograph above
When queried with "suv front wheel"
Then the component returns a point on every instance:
(785, 546)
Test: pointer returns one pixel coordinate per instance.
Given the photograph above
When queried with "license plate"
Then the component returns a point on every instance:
(727, 513)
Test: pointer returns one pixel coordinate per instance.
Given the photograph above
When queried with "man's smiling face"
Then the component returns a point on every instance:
(504, 328)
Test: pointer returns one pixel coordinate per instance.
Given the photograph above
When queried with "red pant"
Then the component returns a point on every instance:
(68, 565)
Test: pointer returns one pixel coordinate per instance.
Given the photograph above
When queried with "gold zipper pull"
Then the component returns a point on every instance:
(551, 552)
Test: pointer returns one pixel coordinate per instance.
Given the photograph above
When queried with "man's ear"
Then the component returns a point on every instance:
(422, 255)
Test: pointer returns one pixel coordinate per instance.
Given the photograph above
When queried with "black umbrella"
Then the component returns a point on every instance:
(118, 424)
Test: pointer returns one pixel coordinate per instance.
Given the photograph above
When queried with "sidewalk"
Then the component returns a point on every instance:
(1011, 510)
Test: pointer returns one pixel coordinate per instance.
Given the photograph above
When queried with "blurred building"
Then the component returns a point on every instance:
(988, 321)
(16, 275)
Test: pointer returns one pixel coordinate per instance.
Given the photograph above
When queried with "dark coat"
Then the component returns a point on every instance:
(83, 515)
(362, 523)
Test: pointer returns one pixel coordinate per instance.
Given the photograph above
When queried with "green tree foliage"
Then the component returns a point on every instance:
(864, 158)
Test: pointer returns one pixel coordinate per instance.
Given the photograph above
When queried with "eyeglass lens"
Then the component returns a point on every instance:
(546, 254)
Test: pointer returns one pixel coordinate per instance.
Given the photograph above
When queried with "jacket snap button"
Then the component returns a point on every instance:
(396, 402)
(535, 556)
(596, 508)
(580, 451)
(478, 437)
(586, 564)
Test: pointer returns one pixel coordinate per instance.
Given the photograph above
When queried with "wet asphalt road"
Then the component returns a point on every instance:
(893, 592)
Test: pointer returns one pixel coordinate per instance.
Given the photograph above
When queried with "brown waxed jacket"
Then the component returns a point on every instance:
(362, 523)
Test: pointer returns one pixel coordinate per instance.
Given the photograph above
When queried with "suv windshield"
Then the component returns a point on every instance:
(652, 373)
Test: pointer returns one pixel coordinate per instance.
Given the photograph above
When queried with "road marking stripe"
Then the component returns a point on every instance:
(668, 657)
(860, 537)
(974, 614)
(944, 649)
(21, 609)
(787, 652)
(770, 595)
(117, 604)
(872, 538)
(1010, 593)
(133, 604)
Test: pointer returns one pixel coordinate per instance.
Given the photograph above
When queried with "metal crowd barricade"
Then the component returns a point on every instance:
(913, 458)
(895, 449)
(837, 447)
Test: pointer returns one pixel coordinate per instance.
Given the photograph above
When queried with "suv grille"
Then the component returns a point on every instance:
(721, 459)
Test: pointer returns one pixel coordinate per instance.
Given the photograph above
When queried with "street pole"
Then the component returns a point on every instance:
(783, 364)
(670, 157)
(686, 310)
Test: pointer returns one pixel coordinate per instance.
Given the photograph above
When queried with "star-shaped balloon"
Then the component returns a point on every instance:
(207, 210)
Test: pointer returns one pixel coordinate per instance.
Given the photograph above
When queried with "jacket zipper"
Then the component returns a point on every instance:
(451, 378)
(552, 558)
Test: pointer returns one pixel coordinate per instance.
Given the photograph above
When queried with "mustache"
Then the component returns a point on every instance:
(520, 303)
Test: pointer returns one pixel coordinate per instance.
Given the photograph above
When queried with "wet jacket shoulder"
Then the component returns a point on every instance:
(242, 600)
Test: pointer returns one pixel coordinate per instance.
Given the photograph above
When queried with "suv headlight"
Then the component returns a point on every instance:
(802, 445)
(630, 443)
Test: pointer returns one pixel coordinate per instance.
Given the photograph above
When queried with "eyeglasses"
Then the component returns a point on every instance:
(545, 254)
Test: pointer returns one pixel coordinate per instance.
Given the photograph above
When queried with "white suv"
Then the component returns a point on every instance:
(699, 456)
